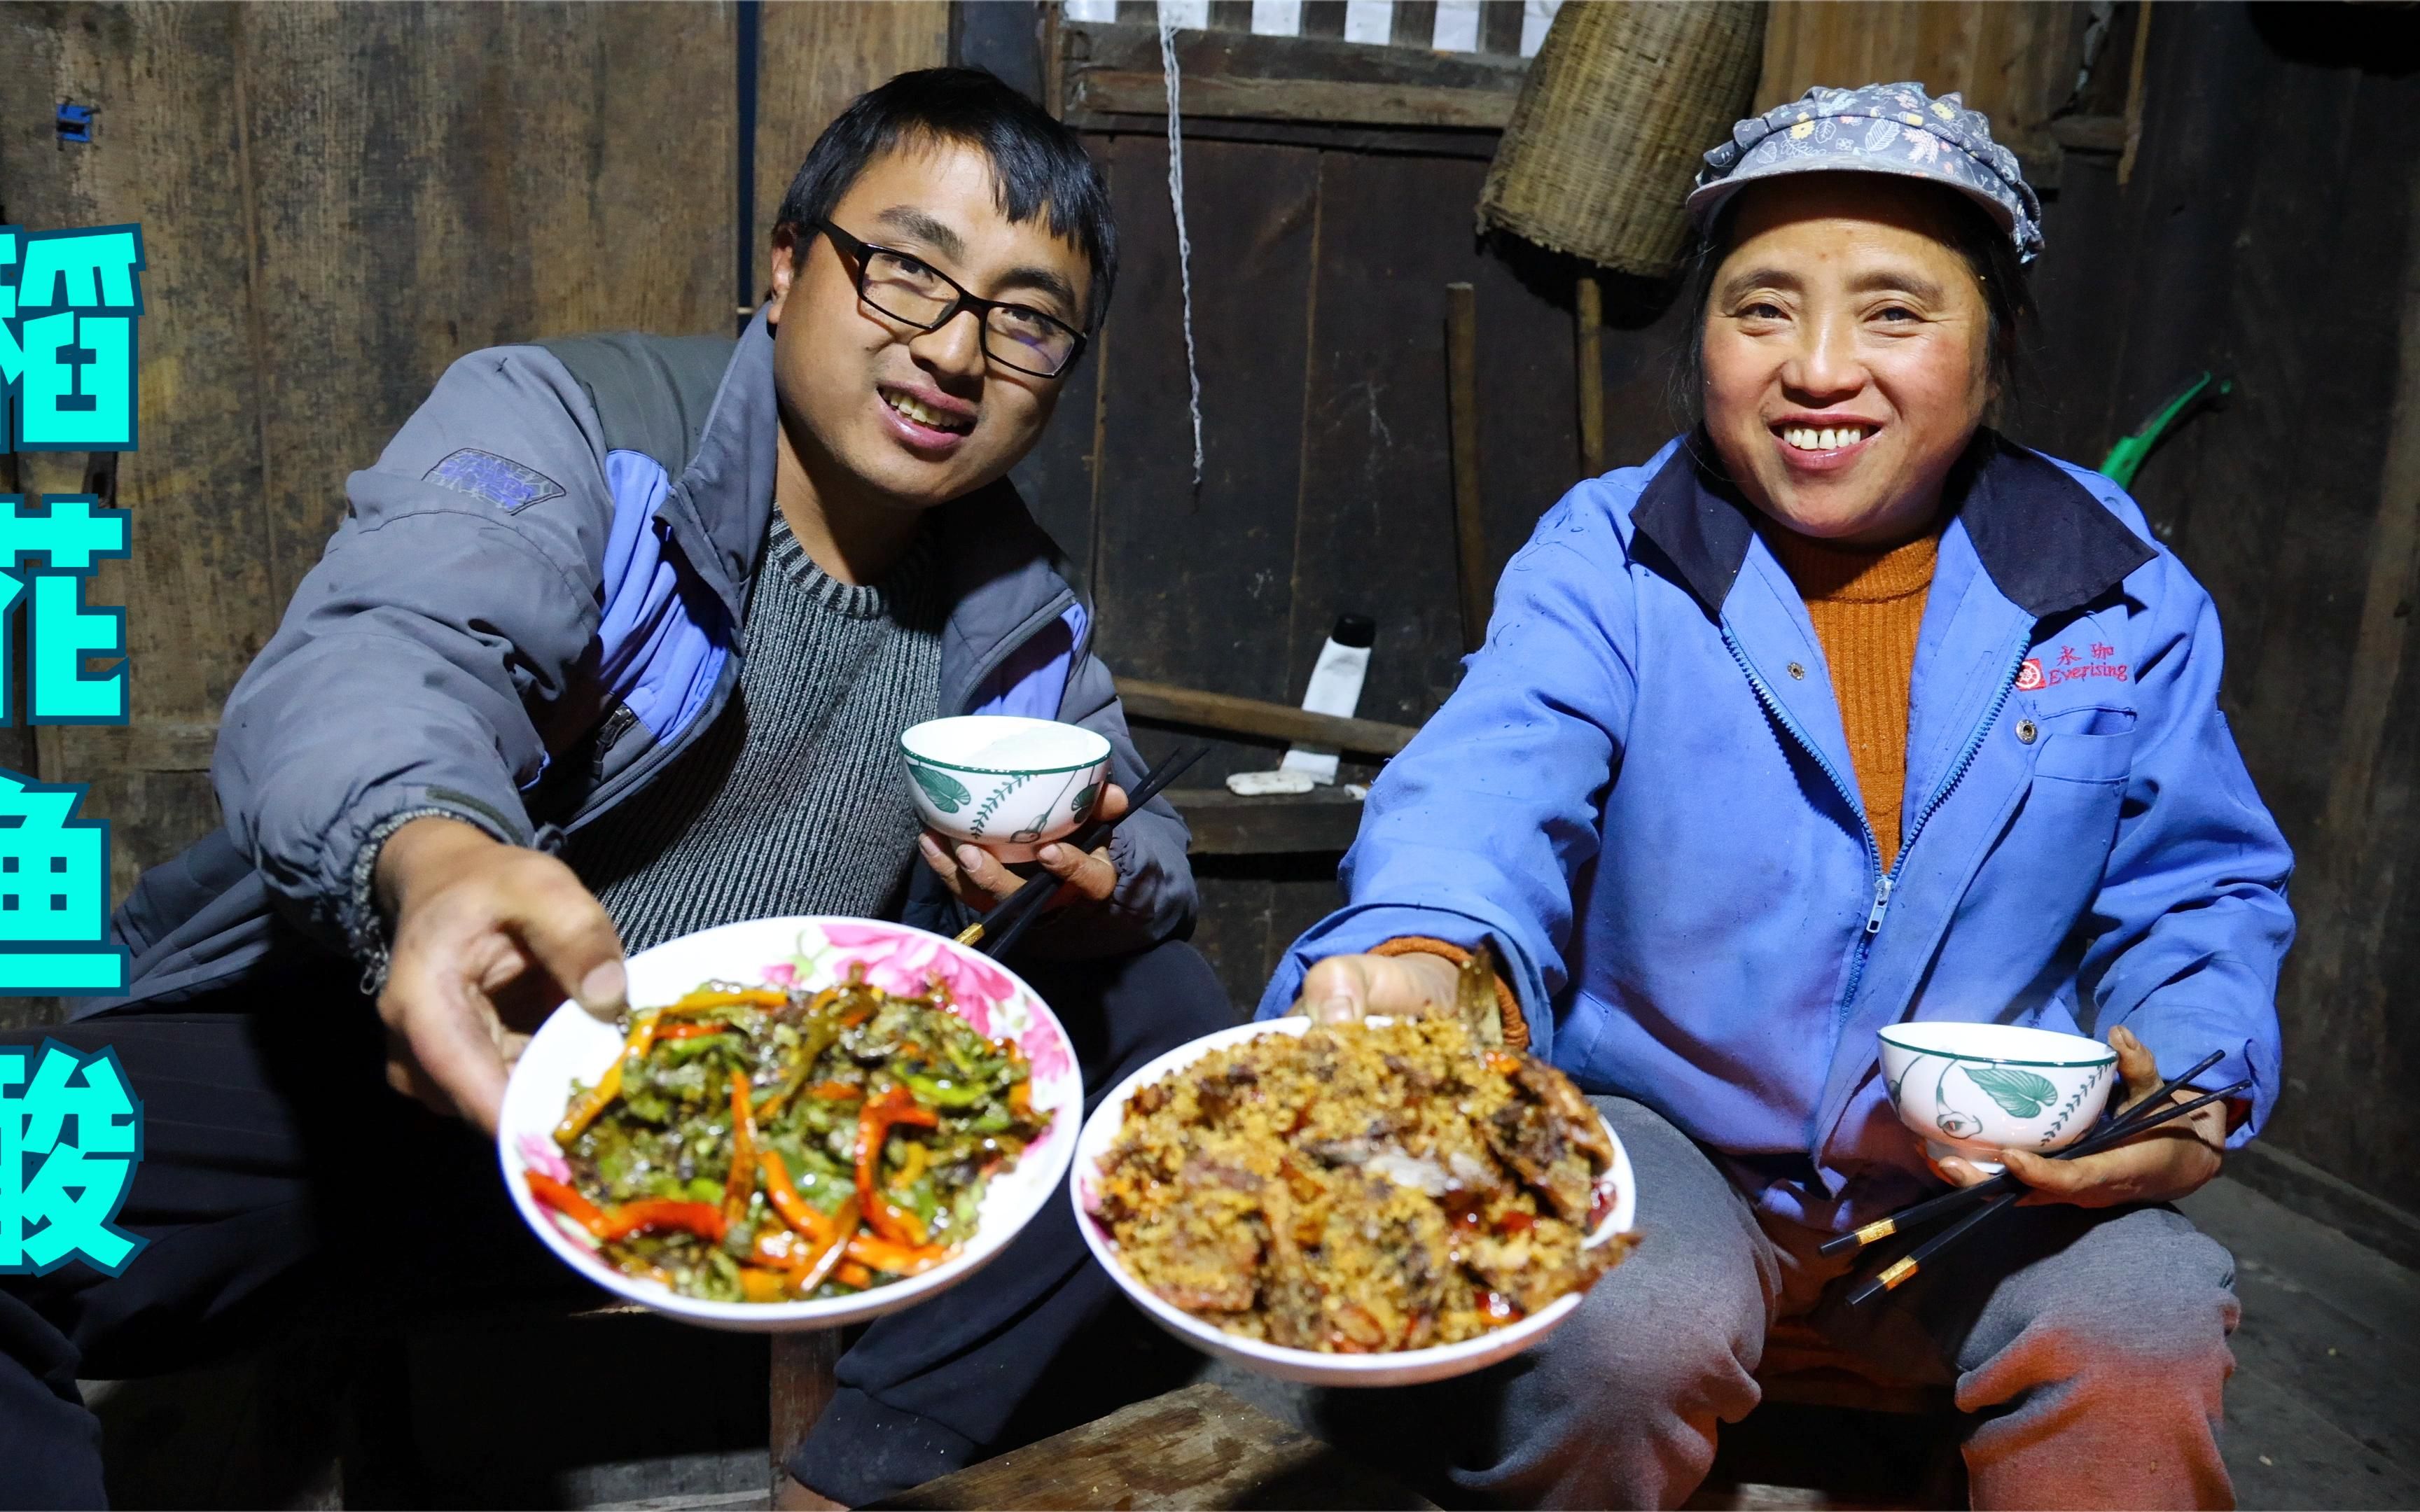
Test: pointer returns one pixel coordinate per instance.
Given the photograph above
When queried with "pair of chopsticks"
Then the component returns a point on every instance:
(2002, 1191)
(1000, 930)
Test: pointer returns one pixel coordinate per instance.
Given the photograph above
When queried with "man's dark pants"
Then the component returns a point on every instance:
(280, 1173)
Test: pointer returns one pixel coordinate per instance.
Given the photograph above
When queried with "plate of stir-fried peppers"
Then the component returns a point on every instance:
(801, 1122)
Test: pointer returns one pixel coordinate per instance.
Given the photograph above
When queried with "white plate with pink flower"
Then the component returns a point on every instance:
(572, 1048)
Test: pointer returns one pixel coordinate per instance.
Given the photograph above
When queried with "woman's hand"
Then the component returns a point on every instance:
(976, 878)
(1344, 989)
(2160, 1166)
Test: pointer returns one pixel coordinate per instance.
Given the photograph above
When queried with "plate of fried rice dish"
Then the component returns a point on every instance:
(1373, 1205)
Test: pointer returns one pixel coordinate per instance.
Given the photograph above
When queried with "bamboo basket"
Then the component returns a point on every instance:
(1613, 122)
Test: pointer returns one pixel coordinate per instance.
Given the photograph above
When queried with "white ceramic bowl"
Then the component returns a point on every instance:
(1975, 1089)
(1403, 1367)
(1007, 784)
(813, 952)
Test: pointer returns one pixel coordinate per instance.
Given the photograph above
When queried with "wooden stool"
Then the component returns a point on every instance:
(805, 1376)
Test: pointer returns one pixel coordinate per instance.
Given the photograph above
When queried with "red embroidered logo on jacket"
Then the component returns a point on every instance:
(2070, 668)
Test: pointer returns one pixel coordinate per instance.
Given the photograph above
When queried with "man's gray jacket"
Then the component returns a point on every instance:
(533, 603)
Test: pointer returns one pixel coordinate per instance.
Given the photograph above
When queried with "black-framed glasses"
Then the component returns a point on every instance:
(906, 287)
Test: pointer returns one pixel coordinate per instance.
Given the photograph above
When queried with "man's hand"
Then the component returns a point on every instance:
(2161, 1165)
(978, 879)
(1344, 989)
(488, 938)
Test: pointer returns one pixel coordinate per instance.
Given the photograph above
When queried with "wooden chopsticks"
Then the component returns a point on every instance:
(2003, 1190)
(1931, 1207)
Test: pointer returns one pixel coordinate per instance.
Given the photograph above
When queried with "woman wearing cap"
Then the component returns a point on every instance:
(1844, 710)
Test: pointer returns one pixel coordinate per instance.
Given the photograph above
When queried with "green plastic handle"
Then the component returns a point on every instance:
(2126, 458)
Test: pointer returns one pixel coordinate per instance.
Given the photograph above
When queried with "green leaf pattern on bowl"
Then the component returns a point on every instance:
(947, 793)
(976, 825)
(2068, 1109)
(1955, 1123)
(2022, 1094)
(1042, 821)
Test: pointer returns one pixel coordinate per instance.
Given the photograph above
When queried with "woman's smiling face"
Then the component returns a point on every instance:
(1847, 349)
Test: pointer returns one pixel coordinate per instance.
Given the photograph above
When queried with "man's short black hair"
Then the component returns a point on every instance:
(1038, 165)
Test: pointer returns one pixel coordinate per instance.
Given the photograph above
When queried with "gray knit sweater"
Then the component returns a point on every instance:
(794, 801)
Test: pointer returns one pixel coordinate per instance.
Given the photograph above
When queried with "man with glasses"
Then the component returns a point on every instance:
(615, 643)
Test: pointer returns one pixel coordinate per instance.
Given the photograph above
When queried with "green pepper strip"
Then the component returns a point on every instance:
(947, 1094)
(821, 1032)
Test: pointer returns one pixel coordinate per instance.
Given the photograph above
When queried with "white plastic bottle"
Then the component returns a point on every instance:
(1335, 689)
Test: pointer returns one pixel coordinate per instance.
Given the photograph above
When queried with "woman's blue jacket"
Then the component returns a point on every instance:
(1642, 795)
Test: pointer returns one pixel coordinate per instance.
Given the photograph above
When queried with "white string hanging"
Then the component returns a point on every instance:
(1167, 73)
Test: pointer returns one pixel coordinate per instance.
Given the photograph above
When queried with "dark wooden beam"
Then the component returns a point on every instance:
(1117, 91)
(1114, 69)
(1167, 704)
(1280, 824)
(2090, 134)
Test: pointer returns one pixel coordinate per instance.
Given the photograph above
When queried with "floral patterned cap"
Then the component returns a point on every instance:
(1883, 127)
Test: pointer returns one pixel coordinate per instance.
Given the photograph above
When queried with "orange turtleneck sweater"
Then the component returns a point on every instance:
(1867, 605)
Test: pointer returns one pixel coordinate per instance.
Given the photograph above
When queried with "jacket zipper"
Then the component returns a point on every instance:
(1873, 846)
(1885, 882)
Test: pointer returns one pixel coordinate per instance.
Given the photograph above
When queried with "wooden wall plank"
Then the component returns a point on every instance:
(1376, 529)
(2014, 59)
(435, 179)
(1194, 584)
(166, 152)
(336, 202)
(815, 58)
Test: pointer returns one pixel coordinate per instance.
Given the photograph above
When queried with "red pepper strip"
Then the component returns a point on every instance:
(564, 1200)
(899, 1260)
(740, 1184)
(704, 1218)
(812, 1272)
(691, 1031)
(795, 1210)
(874, 1121)
(851, 1273)
(835, 1092)
(609, 1087)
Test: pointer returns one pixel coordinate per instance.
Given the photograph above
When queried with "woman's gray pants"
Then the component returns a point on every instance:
(2088, 1349)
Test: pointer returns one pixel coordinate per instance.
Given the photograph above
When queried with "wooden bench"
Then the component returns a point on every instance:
(1197, 1448)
